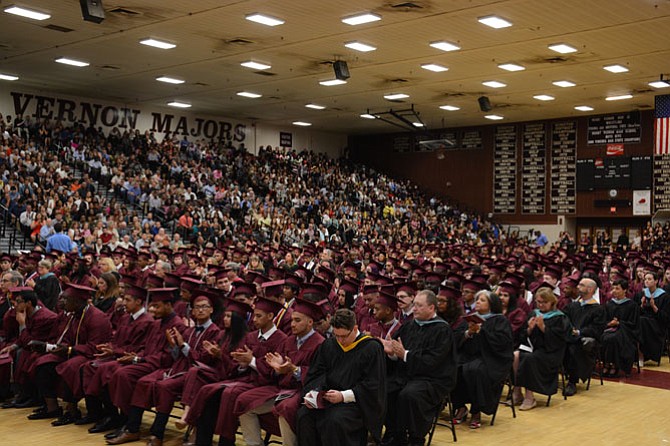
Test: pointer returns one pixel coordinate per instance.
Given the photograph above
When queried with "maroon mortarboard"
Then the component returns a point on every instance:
(256, 277)
(56, 252)
(80, 292)
(554, 271)
(274, 288)
(571, 282)
(482, 279)
(172, 280)
(400, 271)
(268, 306)
(128, 279)
(153, 281)
(498, 268)
(276, 273)
(508, 287)
(321, 281)
(241, 308)
(135, 291)
(221, 274)
(433, 278)
(190, 284)
(210, 296)
(543, 285)
(351, 267)
(162, 294)
(384, 280)
(387, 299)
(19, 291)
(244, 289)
(449, 292)
(440, 267)
(326, 273)
(370, 289)
(349, 286)
(407, 287)
(326, 306)
(6, 258)
(292, 281)
(308, 308)
(472, 285)
(314, 289)
(515, 279)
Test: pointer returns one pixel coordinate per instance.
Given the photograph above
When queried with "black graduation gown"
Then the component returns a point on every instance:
(485, 362)
(653, 326)
(418, 387)
(620, 343)
(590, 320)
(361, 369)
(538, 370)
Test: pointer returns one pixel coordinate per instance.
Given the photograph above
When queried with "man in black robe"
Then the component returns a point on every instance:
(345, 388)
(422, 371)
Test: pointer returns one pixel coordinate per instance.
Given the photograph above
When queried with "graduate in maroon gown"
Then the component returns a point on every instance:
(212, 410)
(386, 324)
(278, 290)
(405, 293)
(365, 307)
(86, 328)
(132, 330)
(36, 324)
(157, 354)
(508, 293)
(290, 364)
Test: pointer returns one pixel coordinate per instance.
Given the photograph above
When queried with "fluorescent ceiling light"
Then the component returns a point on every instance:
(179, 104)
(395, 96)
(264, 19)
(28, 13)
(360, 19)
(449, 107)
(73, 62)
(494, 117)
(8, 77)
(434, 67)
(158, 44)
(315, 106)
(331, 82)
(302, 124)
(248, 94)
(659, 84)
(511, 67)
(494, 84)
(564, 84)
(615, 68)
(544, 97)
(562, 48)
(583, 108)
(359, 46)
(494, 21)
(368, 116)
(170, 80)
(445, 46)
(417, 124)
(619, 97)
(256, 65)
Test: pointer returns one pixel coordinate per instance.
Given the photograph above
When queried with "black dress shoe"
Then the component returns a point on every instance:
(104, 425)
(9, 404)
(88, 419)
(570, 389)
(27, 403)
(45, 415)
(115, 433)
(66, 418)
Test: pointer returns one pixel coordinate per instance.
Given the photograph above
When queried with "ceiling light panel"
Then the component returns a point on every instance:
(361, 19)
(160, 44)
(434, 67)
(615, 68)
(315, 106)
(445, 46)
(8, 77)
(179, 104)
(256, 65)
(562, 48)
(564, 84)
(494, 117)
(72, 62)
(27, 13)
(511, 67)
(264, 19)
(544, 97)
(620, 97)
(302, 123)
(170, 80)
(449, 107)
(583, 108)
(332, 82)
(395, 96)
(249, 94)
(494, 84)
(360, 46)
(494, 21)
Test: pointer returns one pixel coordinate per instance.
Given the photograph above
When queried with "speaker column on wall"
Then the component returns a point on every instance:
(341, 70)
(484, 104)
(92, 10)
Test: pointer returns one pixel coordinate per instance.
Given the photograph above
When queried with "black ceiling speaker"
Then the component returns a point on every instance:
(484, 104)
(92, 10)
(341, 70)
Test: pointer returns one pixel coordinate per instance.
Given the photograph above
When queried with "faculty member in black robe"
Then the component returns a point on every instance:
(349, 374)
(540, 355)
(421, 370)
(654, 305)
(619, 340)
(485, 359)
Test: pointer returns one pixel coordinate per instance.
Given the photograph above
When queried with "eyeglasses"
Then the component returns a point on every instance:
(202, 307)
(540, 302)
(342, 337)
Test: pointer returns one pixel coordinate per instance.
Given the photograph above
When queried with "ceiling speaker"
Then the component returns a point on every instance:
(484, 104)
(92, 10)
(341, 70)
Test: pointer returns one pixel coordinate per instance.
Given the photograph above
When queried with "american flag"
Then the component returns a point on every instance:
(662, 125)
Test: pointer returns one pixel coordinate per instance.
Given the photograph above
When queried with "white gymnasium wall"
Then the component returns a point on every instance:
(331, 144)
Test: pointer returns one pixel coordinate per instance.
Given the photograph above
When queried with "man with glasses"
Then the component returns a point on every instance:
(345, 388)
(405, 294)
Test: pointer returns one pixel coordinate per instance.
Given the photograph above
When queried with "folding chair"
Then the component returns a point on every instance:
(510, 391)
(436, 419)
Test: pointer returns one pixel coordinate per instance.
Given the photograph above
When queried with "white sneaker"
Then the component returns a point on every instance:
(641, 363)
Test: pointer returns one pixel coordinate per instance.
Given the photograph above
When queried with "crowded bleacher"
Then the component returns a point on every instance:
(310, 298)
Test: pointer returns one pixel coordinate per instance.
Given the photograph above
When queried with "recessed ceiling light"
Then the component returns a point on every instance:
(583, 108)
(434, 67)
(368, 116)
(544, 97)
(445, 46)
(72, 62)
(564, 84)
(494, 117)
(248, 94)
(161, 44)
(360, 19)
(616, 68)
(359, 46)
(659, 84)
(8, 77)
(620, 97)
(315, 106)
(331, 82)
(170, 80)
(395, 96)
(494, 84)
(418, 124)
(562, 48)
(511, 67)
(449, 107)
(256, 65)
(302, 124)
(494, 21)
(28, 13)
(264, 19)
(179, 104)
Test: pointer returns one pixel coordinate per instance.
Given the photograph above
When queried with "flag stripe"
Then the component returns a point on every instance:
(662, 125)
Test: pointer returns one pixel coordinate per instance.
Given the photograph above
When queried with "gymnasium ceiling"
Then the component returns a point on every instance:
(213, 38)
